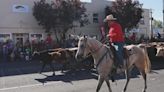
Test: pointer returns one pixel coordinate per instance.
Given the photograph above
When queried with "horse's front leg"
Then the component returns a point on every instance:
(101, 80)
(108, 84)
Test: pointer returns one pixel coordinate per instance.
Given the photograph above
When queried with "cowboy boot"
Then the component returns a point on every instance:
(113, 73)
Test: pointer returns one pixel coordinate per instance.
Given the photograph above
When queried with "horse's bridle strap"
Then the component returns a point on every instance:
(93, 51)
(102, 58)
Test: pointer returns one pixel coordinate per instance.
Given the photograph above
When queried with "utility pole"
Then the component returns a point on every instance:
(163, 20)
(151, 27)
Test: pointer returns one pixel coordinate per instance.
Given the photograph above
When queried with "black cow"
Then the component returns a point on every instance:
(46, 59)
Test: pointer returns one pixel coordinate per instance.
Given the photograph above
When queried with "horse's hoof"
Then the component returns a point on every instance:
(124, 90)
(144, 91)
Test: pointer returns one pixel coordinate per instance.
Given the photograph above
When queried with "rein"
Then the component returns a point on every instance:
(102, 58)
(96, 49)
(92, 52)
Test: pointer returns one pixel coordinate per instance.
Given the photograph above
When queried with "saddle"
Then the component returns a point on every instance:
(125, 55)
(116, 63)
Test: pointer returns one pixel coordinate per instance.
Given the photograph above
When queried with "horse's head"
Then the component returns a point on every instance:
(83, 49)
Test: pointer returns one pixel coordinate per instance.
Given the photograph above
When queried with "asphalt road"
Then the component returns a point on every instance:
(18, 77)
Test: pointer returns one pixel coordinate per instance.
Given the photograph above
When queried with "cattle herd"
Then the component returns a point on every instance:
(66, 57)
(156, 51)
(62, 56)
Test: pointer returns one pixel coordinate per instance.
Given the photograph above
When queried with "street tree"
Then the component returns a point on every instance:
(157, 23)
(127, 12)
(45, 15)
(70, 13)
(59, 15)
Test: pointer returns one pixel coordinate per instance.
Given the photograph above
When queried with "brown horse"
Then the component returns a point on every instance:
(103, 60)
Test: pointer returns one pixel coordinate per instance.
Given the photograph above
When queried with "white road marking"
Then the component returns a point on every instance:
(26, 86)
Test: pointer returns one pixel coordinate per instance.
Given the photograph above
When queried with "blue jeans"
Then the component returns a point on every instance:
(119, 51)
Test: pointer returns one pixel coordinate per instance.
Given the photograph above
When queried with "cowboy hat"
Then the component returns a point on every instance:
(109, 17)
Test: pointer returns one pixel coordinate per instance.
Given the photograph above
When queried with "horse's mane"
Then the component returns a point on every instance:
(94, 41)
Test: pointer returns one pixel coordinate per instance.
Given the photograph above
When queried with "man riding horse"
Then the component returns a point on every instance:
(116, 39)
(104, 60)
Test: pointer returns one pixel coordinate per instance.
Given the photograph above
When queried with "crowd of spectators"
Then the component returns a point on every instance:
(18, 51)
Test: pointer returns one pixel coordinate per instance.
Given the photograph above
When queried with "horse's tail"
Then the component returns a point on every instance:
(146, 61)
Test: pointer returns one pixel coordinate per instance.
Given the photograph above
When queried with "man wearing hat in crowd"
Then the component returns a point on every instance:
(116, 37)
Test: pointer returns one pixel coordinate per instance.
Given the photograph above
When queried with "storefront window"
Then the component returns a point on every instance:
(35, 38)
(95, 18)
(4, 37)
(36, 35)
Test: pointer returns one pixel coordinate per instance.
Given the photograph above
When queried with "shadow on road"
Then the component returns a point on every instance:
(70, 76)
(24, 67)
(19, 68)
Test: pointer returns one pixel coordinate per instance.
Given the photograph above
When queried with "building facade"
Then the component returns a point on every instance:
(18, 23)
(96, 15)
(144, 26)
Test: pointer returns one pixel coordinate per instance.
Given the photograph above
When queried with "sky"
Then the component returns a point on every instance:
(155, 5)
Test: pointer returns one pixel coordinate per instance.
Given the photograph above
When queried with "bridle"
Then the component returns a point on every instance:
(92, 52)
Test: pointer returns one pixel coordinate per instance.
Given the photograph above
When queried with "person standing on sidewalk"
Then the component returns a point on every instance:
(5, 52)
